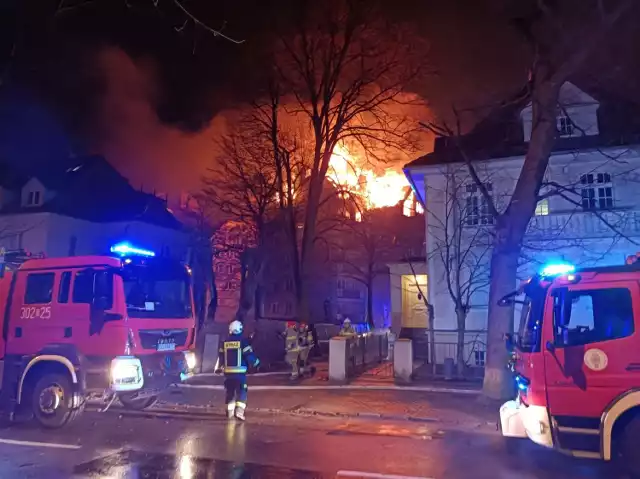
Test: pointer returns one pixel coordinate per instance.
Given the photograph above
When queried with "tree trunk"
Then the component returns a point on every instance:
(251, 276)
(510, 230)
(461, 316)
(370, 304)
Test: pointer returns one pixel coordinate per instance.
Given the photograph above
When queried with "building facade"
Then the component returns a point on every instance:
(83, 206)
(588, 213)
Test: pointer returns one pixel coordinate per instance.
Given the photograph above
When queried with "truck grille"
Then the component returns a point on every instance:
(149, 338)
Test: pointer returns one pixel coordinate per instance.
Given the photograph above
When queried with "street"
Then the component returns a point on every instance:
(190, 443)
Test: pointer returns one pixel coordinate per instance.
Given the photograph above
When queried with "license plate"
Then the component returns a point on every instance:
(166, 345)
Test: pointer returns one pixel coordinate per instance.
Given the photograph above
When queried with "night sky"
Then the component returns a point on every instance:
(119, 79)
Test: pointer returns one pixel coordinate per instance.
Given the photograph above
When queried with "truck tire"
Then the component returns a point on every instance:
(52, 401)
(130, 401)
(627, 448)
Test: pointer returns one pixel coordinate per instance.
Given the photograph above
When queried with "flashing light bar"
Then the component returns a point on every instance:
(125, 249)
(557, 269)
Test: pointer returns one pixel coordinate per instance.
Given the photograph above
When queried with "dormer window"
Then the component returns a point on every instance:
(564, 125)
(34, 198)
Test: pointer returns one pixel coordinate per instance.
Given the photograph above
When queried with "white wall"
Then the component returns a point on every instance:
(396, 271)
(567, 233)
(52, 234)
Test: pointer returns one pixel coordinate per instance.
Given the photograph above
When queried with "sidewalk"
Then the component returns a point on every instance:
(378, 377)
(391, 404)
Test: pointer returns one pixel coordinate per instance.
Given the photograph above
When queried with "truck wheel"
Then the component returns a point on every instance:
(52, 401)
(627, 450)
(130, 401)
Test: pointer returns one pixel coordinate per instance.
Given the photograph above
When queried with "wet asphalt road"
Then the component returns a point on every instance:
(119, 445)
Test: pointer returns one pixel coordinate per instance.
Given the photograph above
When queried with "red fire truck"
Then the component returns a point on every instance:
(576, 362)
(107, 326)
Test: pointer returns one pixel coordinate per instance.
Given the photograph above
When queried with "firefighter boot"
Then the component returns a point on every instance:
(230, 409)
(240, 407)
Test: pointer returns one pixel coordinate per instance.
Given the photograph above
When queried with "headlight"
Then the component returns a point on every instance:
(126, 374)
(190, 359)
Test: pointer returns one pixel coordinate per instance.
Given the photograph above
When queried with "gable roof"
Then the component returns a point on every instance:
(90, 188)
(500, 133)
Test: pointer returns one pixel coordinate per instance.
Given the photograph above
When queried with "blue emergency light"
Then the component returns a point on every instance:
(557, 269)
(125, 249)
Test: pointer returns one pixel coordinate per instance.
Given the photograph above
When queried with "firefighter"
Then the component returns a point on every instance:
(305, 339)
(292, 349)
(347, 329)
(236, 354)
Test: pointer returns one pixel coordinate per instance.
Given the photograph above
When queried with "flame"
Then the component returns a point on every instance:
(377, 191)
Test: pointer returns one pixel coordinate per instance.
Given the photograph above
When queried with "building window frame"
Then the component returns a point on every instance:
(596, 191)
(476, 208)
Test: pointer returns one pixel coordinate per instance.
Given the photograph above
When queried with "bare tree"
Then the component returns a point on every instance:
(365, 243)
(562, 36)
(347, 74)
(242, 186)
(460, 241)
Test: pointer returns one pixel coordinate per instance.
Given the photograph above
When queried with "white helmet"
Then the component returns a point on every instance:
(235, 327)
(347, 322)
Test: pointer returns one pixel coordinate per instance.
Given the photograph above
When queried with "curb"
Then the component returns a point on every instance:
(352, 387)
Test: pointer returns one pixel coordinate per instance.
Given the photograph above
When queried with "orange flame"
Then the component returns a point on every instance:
(377, 191)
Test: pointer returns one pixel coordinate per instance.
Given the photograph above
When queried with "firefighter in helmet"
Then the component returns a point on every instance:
(347, 328)
(305, 339)
(236, 354)
(292, 349)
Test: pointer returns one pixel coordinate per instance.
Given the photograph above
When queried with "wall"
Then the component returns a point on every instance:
(565, 233)
(53, 235)
(397, 291)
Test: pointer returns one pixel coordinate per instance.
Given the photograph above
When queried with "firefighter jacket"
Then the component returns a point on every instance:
(291, 342)
(306, 338)
(236, 354)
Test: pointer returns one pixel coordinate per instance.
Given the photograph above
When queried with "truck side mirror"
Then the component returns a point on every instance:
(550, 347)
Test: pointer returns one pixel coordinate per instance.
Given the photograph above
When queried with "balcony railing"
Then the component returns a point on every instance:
(584, 224)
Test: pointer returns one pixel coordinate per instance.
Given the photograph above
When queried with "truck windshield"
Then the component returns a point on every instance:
(532, 306)
(157, 291)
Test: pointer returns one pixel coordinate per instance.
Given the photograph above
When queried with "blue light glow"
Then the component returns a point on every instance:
(522, 382)
(557, 269)
(125, 249)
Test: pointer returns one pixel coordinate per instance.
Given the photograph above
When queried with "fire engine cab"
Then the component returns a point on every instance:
(576, 360)
(111, 326)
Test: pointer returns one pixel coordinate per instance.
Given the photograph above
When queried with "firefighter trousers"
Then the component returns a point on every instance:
(235, 387)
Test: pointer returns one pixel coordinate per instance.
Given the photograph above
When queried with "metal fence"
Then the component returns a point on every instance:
(445, 345)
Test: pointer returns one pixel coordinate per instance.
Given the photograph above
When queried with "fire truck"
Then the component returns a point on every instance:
(114, 326)
(576, 361)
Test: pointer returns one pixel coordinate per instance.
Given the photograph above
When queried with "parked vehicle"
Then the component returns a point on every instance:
(107, 326)
(576, 362)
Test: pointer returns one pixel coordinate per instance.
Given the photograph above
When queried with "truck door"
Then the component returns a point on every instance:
(32, 322)
(76, 305)
(589, 345)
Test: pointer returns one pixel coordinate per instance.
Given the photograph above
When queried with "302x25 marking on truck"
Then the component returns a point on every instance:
(43, 312)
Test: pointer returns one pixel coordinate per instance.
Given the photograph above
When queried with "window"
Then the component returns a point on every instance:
(65, 286)
(476, 207)
(229, 268)
(542, 208)
(83, 287)
(591, 316)
(275, 308)
(288, 285)
(479, 357)
(288, 307)
(33, 199)
(39, 288)
(564, 125)
(407, 207)
(597, 191)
